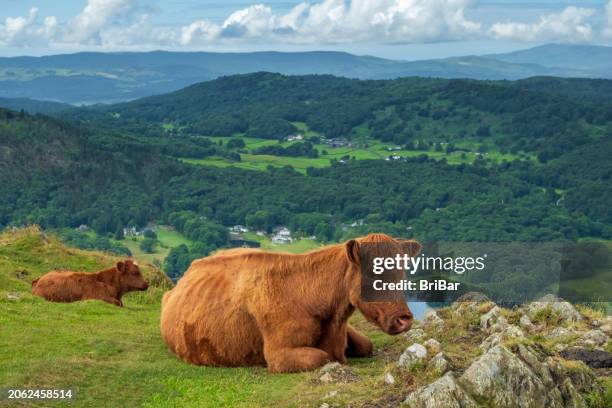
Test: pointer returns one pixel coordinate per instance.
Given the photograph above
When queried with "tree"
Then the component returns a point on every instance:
(147, 245)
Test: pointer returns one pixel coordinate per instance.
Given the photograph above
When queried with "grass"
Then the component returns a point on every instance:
(168, 238)
(364, 148)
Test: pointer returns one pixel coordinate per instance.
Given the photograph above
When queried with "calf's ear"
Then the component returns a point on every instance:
(352, 251)
(411, 247)
(121, 266)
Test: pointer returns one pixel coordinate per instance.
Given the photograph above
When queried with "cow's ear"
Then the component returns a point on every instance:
(352, 251)
(121, 266)
(411, 247)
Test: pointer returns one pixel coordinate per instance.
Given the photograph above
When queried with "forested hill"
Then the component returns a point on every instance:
(544, 116)
(60, 175)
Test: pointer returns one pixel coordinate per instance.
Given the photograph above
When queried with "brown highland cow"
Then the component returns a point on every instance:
(108, 285)
(245, 307)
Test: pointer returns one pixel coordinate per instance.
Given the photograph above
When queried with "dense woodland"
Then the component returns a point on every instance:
(114, 166)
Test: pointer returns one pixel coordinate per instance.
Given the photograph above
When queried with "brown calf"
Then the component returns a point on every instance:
(108, 285)
(289, 312)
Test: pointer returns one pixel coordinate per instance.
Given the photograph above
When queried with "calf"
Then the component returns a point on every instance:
(108, 285)
(288, 312)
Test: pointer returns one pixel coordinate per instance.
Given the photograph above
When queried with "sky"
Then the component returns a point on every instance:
(397, 29)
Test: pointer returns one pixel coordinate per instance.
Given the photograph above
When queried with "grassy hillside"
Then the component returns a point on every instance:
(115, 356)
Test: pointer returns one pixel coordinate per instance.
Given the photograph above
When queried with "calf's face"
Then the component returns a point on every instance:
(130, 277)
(392, 317)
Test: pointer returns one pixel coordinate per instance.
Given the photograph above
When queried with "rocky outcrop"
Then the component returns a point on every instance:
(504, 380)
(565, 310)
(412, 356)
(442, 393)
(519, 366)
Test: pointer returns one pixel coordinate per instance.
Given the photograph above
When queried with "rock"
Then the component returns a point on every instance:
(324, 405)
(510, 332)
(330, 367)
(470, 302)
(606, 328)
(13, 296)
(433, 346)
(571, 396)
(336, 372)
(525, 323)
(593, 338)
(432, 320)
(476, 297)
(561, 333)
(592, 358)
(326, 378)
(442, 393)
(412, 355)
(581, 376)
(493, 320)
(566, 311)
(439, 364)
(533, 360)
(389, 379)
(415, 335)
(504, 380)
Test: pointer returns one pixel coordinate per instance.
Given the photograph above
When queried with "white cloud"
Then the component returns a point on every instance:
(126, 24)
(339, 21)
(26, 30)
(571, 25)
(86, 27)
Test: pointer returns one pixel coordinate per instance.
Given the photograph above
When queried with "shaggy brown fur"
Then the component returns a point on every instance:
(249, 307)
(108, 285)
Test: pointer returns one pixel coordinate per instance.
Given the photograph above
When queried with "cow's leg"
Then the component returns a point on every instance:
(294, 359)
(333, 340)
(358, 345)
(288, 345)
(111, 300)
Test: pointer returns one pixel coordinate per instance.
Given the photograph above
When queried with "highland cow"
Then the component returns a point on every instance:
(108, 285)
(289, 312)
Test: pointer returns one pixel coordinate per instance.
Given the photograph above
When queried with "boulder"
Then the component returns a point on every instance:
(571, 396)
(412, 355)
(566, 311)
(470, 302)
(525, 323)
(504, 380)
(432, 320)
(442, 393)
(561, 333)
(389, 379)
(592, 358)
(493, 320)
(415, 335)
(509, 333)
(433, 346)
(439, 364)
(593, 338)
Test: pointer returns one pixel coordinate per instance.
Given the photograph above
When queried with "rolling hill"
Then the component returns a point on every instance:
(111, 77)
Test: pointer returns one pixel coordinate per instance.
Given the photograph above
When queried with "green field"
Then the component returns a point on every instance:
(168, 238)
(363, 148)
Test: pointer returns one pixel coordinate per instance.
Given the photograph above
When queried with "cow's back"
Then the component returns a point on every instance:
(61, 286)
(204, 317)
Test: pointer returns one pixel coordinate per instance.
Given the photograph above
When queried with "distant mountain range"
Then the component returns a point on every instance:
(113, 77)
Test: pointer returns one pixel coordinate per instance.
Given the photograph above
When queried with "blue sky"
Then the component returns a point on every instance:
(400, 29)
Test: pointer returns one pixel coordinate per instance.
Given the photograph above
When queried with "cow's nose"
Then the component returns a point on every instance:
(403, 322)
